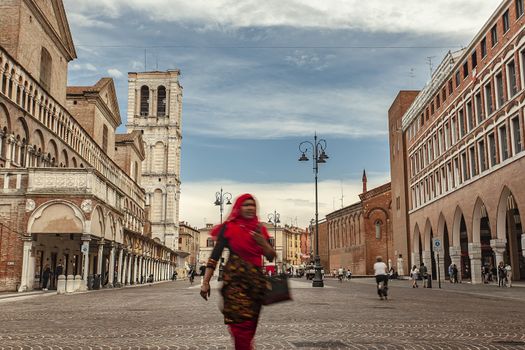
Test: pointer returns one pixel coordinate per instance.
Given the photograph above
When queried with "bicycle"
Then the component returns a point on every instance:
(382, 289)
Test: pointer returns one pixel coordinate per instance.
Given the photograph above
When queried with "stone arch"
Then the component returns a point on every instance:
(427, 242)
(501, 214)
(458, 215)
(52, 151)
(158, 157)
(56, 216)
(417, 246)
(144, 100)
(74, 163)
(5, 120)
(98, 222)
(370, 211)
(156, 205)
(64, 159)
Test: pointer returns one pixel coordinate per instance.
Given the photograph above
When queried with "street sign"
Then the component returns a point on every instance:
(436, 245)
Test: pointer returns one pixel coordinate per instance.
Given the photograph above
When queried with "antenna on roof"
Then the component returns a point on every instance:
(429, 61)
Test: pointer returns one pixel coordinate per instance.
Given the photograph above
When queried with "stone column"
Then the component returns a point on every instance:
(25, 284)
(111, 274)
(100, 257)
(523, 244)
(130, 260)
(474, 252)
(120, 270)
(85, 261)
(498, 246)
(427, 260)
(455, 257)
(415, 260)
(124, 274)
(135, 268)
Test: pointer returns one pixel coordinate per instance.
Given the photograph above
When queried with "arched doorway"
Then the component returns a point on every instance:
(514, 248)
(463, 240)
(446, 250)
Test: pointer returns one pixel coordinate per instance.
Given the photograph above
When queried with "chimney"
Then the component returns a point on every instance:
(364, 181)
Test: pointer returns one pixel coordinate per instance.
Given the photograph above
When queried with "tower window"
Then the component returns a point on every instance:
(45, 69)
(144, 100)
(161, 101)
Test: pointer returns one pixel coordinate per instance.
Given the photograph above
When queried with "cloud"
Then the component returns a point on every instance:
(287, 111)
(444, 16)
(115, 73)
(85, 21)
(294, 201)
(82, 66)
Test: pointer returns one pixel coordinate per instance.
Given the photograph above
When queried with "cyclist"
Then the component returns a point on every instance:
(381, 274)
(340, 274)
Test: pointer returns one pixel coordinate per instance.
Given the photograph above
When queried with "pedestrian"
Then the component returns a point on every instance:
(451, 273)
(340, 274)
(244, 284)
(46, 276)
(380, 272)
(455, 273)
(423, 272)
(508, 273)
(414, 275)
(502, 274)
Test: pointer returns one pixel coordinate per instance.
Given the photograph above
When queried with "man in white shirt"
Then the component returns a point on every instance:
(380, 271)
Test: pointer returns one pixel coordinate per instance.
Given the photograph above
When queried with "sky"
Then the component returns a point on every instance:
(260, 77)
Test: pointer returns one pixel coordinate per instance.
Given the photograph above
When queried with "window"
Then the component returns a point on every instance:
(506, 21)
(516, 135)
(45, 69)
(105, 139)
(462, 129)
(432, 108)
(500, 99)
(512, 88)
(464, 166)
(494, 35)
(450, 87)
(438, 101)
(483, 47)
(457, 178)
(474, 59)
(519, 8)
(488, 100)
(465, 69)
(473, 163)
(492, 150)
(454, 130)
(210, 242)
(161, 101)
(144, 100)
(444, 94)
(470, 119)
(503, 144)
(447, 137)
(458, 78)
(479, 109)
(481, 155)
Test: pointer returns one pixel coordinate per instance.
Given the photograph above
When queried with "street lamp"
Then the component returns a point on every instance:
(222, 198)
(311, 238)
(275, 217)
(319, 156)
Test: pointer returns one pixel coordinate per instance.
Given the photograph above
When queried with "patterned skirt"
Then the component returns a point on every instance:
(243, 289)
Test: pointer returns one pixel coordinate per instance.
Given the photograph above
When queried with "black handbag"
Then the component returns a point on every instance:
(277, 290)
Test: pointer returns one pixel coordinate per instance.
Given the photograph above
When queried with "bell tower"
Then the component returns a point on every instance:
(155, 108)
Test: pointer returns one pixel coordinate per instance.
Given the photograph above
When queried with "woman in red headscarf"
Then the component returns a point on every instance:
(244, 284)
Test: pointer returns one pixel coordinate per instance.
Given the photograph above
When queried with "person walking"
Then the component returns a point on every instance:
(508, 271)
(414, 274)
(502, 274)
(423, 272)
(451, 273)
(340, 274)
(455, 273)
(244, 284)
(46, 275)
(381, 274)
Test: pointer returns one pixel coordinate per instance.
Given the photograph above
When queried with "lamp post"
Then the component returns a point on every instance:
(222, 198)
(318, 157)
(311, 238)
(275, 217)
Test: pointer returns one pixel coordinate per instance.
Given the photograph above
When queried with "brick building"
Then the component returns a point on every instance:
(70, 198)
(360, 232)
(457, 155)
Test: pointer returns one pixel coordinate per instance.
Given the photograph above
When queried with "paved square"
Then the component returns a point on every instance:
(342, 316)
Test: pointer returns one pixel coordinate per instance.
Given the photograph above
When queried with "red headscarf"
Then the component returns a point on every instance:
(238, 232)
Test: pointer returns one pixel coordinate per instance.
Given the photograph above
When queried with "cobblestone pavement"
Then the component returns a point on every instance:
(341, 316)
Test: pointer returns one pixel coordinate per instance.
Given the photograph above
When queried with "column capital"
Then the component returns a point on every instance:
(27, 238)
(498, 245)
(86, 238)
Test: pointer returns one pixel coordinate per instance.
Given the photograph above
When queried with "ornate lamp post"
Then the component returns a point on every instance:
(318, 157)
(275, 217)
(311, 238)
(222, 198)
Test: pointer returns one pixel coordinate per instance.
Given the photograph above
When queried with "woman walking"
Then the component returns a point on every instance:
(414, 274)
(244, 284)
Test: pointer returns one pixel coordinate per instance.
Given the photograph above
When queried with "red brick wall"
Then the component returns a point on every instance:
(398, 175)
(323, 245)
(11, 245)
